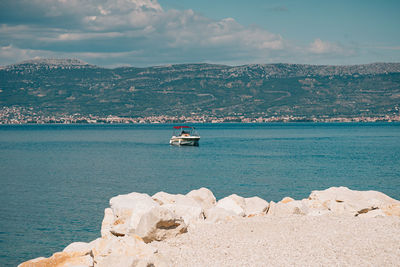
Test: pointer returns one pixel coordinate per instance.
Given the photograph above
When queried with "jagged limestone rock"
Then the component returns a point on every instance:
(204, 197)
(128, 210)
(160, 223)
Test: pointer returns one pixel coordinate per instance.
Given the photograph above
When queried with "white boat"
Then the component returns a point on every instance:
(185, 136)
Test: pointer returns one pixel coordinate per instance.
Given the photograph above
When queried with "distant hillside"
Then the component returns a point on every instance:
(57, 86)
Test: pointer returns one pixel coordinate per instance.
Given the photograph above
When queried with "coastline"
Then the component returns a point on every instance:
(333, 226)
(21, 115)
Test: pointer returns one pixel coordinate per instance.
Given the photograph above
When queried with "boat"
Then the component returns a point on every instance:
(185, 136)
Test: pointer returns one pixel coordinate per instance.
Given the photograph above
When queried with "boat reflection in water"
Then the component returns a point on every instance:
(185, 136)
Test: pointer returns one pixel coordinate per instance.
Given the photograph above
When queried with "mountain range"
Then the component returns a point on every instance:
(69, 86)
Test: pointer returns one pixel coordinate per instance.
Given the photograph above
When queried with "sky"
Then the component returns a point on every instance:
(140, 33)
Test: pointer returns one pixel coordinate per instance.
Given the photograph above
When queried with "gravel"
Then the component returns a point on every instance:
(289, 241)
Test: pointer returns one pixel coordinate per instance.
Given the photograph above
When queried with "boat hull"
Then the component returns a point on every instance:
(185, 141)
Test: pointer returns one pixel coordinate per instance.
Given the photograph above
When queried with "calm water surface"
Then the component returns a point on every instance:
(56, 180)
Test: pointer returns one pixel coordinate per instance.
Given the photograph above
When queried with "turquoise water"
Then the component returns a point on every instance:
(56, 179)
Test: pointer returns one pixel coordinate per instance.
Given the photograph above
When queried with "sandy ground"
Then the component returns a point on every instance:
(290, 241)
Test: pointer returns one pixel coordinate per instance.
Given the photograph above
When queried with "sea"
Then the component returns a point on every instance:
(56, 180)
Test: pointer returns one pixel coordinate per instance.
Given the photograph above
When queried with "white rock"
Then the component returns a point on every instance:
(120, 251)
(372, 214)
(117, 261)
(156, 259)
(185, 207)
(314, 208)
(107, 222)
(341, 200)
(160, 223)
(128, 210)
(189, 214)
(392, 209)
(218, 215)
(204, 197)
(233, 203)
(282, 209)
(81, 247)
(32, 262)
(255, 206)
(61, 259)
(84, 261)
(165, 198)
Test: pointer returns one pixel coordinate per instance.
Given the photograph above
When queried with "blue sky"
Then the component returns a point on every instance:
(150, 32)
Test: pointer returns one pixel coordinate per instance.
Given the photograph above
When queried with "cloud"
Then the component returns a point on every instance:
(321, 47)
(139, 33)
(12, 54)
(327, 48)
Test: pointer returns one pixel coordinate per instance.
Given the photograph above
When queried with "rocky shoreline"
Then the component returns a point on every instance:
(335, 226)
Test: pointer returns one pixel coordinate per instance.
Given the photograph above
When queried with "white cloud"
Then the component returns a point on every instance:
(86, 36)
(10, 54)
(323, 47)
(140, 32)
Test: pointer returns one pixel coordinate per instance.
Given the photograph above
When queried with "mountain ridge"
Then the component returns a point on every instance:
(392, 66)
(68, 86)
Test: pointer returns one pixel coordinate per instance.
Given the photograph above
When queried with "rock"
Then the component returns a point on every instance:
(282, 209)
(163, 198)
(160, 223)
(392, 209)
(156, 259)
(107, 222)
(75, 254)
(255, 206)
(372, 214)
(204, 197)
(314, 208)
(185, 207)
(166, 198)
(61, 259)
(233, 203)
(128, 210)
(117, 261)
(136, 219)
(121, 251)
(341, 200)
(81, 247)
(189, 214)
(31, 262)
(286, 200)
(217, 215)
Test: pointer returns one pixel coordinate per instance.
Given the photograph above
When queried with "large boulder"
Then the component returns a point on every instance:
(82, 247)
(163, 198)
(219, 215)
(160, 223)
(204, 197)
(183, 206)
(121, 251)
(233, 203)
(255, 206)
(61, 259)
(103, 252)
(285, 208)
(343, 201)
(107, 222)
(128, 210)
(189, 214)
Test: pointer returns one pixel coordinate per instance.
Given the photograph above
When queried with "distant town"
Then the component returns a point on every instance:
(20, 115)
